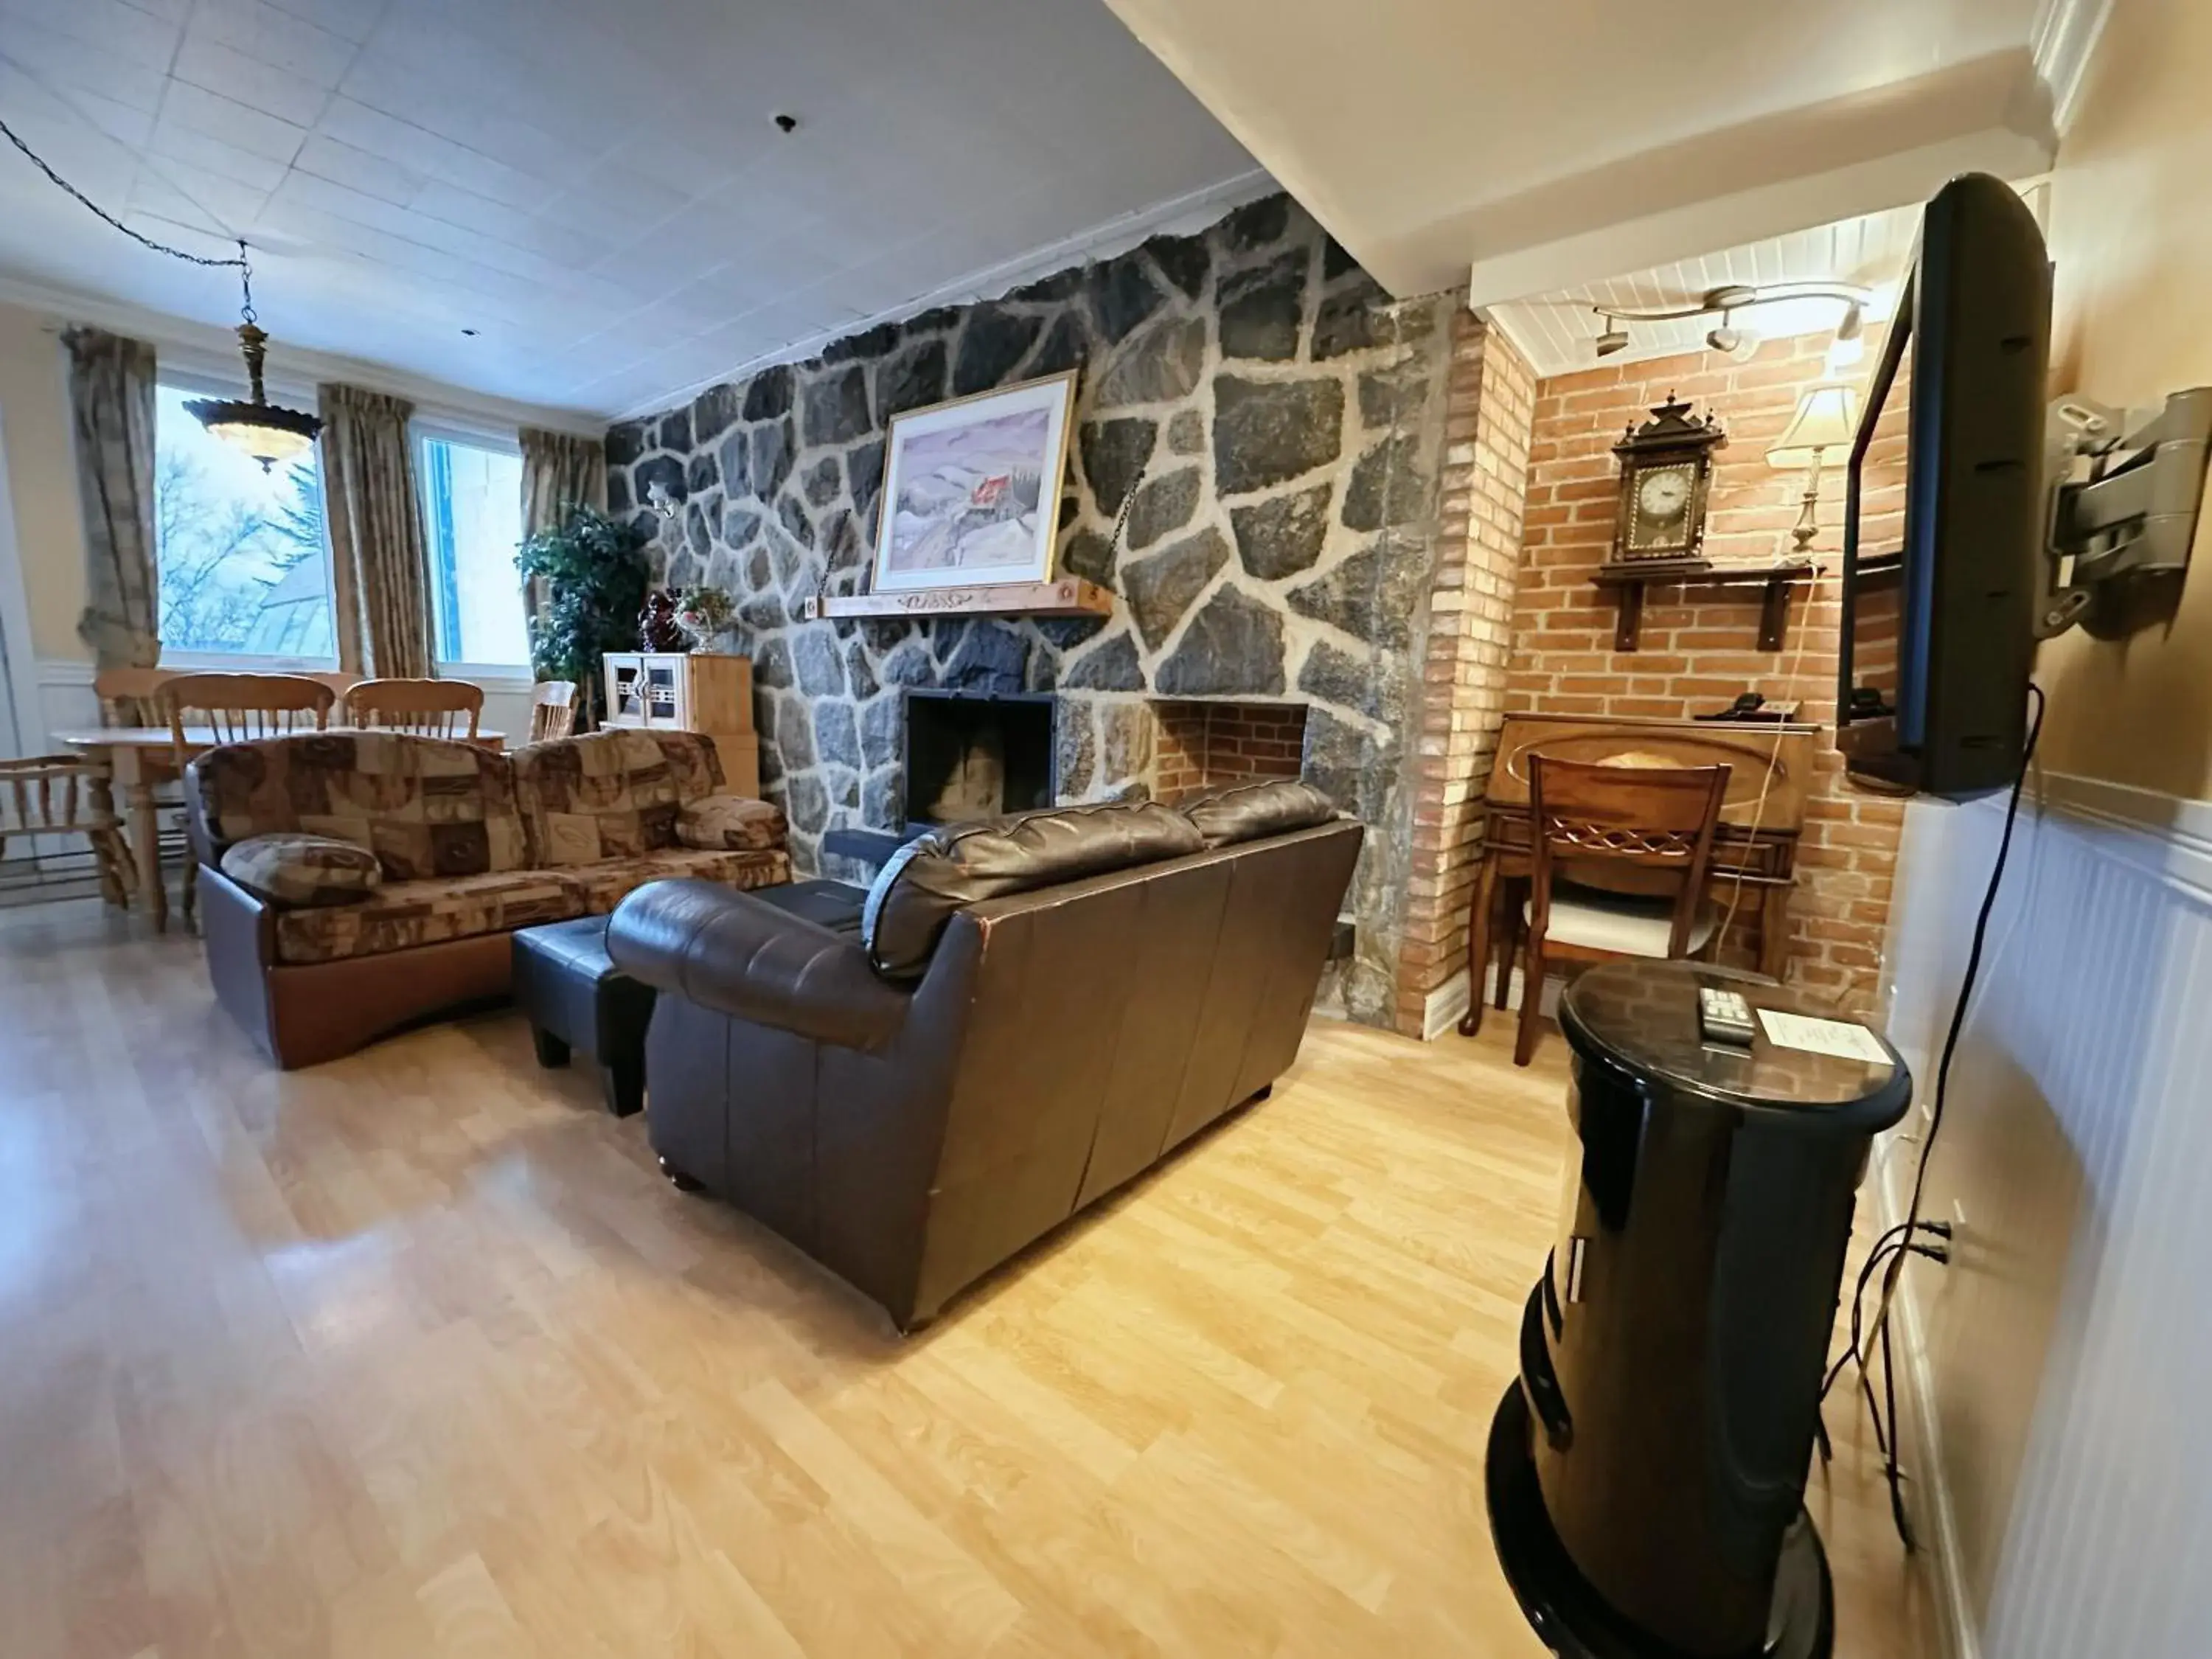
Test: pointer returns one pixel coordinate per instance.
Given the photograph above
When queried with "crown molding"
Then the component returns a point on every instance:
(2064, 38)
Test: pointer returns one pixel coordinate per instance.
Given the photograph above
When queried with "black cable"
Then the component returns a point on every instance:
(236, 262)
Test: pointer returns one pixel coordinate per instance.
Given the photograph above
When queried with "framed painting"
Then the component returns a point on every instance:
(971, 489)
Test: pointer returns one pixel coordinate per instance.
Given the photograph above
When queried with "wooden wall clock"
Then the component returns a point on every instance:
(1666, 473)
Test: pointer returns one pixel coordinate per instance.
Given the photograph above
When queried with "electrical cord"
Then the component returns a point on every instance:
(235, 262)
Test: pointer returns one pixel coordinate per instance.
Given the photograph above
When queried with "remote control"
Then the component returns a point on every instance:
(1725, 1017)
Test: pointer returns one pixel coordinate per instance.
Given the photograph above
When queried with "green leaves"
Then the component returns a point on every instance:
(596, 575)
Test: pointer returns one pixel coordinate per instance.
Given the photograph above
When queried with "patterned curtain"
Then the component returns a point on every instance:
(560, 469)
(111, 399)
(375, 519)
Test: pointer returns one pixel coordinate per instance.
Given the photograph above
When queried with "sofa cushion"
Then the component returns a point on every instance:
(600, 887)
(300, 872)
(402, 914)
(930, 877)
(730, 824)
(613, 794)
(424, 805)
(1249, 811)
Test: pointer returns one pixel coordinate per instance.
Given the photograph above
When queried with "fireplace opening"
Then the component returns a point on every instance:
(974, 755)
(1202, 746)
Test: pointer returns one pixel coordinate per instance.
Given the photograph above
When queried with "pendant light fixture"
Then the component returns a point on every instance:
(268, 432)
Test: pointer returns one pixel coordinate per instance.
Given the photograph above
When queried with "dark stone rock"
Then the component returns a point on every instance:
(696, 532)
(881, 724)
(913, 380)
(1089, 554)
(790, 561)
(1064, 349)
(1234, 645)
(1160, 587)
(1125, 747)
(1372, 595)
(841, 541)
(675, 430)
(713, 411)
(867, 345)
(771, 458)
(1187, 432)
(1389, 396)
(1061, 285)
(1388, 486)
(646, 523)
(740, 525)
(864, 467)
(702, 475)
(1350, 320)
(863, 677)
(796, 523)
(618, 496)
(1183, 260)
(885, 633)
(1114, 456)
(1075, 749)
(909, 665)
(1374, 685)
(844, 787)
(825, 481)
(820, 670)
(943, 317)
(665, 471)
(990, 657)
(794, 735)
(763, 609)
(835, 737)
(1256, 224)
(1066, 633)
(807, 803)
(1122, 295)
(1334, 260)
(768, 394)
(737, 465)
(882, 805)
(1113, 666)
(1044, 672)
(833, 409)
(625, 442)
(1281, 537)
(1266, 432)
(1263, 309)
(1344, 762)
(1161, 365)
(1163, 505)
(759, 576)
(683, 569)
(993, 341)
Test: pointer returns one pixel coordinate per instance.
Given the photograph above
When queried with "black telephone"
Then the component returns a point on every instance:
(1744, 708)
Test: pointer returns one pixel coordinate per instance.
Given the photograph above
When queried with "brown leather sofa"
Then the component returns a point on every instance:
(1027, 1014)
(352, 883)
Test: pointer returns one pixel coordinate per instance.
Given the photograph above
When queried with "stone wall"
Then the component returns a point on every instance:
(1274, 425)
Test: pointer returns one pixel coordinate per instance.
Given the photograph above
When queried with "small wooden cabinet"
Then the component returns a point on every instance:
(706, 692)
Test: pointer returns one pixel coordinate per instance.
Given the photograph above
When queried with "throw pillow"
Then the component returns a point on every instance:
(1250, 811)
(730, 824)
(298, 872)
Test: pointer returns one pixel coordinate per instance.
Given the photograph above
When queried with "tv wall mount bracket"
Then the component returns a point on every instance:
(2134, 514)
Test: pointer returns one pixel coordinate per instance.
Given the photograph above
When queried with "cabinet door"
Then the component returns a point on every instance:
(627, 703)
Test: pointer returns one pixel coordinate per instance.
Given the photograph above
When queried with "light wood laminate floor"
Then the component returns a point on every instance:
(416, 1354)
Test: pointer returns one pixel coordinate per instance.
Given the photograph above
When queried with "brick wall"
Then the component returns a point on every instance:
(1698, 645)
(1207, 745)
(1492, 393)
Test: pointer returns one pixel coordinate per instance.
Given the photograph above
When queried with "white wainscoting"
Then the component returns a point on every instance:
(2060, 1367)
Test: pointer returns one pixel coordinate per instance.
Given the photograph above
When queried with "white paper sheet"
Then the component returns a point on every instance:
(1846, 1039)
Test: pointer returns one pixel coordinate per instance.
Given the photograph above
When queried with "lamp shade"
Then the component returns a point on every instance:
(1826, 419)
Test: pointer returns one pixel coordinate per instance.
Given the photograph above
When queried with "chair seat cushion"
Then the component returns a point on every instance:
(600, 887)
(300, 872)
(403, 914)
(730, 824)
(1622, 923)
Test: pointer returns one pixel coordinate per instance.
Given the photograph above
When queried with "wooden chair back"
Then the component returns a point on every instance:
(131, 696)
(240, 708)
(54, 795)
(552, 710)
(429, 708)
(1653, 818)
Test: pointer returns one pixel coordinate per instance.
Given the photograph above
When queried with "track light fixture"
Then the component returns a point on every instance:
(1614, 339)
(1730, 298)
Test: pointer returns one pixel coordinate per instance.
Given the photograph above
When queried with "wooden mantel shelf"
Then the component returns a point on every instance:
(1070, 596)
(1629, 580)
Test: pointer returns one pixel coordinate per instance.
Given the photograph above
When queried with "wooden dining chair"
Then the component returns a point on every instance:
(236, 708)
(67, 795)
(131, 696)
(552, 710)
(1657, 822)
(429, 708)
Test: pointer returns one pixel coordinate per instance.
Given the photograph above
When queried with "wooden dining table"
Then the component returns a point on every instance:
(139, 758)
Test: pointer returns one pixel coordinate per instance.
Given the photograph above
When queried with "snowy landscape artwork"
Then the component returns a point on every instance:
(972, 489)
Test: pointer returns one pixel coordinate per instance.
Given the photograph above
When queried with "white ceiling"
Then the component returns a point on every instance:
(1558, 331)
(599, 190)
(1544, 145)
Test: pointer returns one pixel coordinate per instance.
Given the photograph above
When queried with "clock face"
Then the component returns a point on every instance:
(1662, 508)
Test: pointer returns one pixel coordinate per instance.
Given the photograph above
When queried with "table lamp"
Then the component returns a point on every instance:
(1826, 419)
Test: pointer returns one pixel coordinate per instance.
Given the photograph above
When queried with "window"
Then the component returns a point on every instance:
(245, 570)
(472, 522)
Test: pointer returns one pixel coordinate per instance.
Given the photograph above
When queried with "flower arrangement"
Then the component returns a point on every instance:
(702, 612)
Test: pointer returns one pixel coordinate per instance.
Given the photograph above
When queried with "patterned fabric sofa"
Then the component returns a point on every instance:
(355, 882)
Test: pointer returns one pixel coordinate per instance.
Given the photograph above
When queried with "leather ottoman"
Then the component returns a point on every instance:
(576, 999)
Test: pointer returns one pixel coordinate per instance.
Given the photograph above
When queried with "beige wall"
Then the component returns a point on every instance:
(2131, 234)
(34, 433)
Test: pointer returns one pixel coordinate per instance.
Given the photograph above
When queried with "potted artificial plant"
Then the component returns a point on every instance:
(596, 575)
